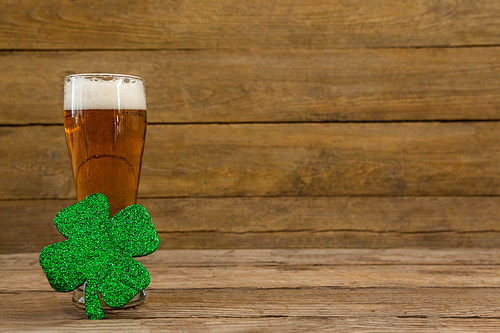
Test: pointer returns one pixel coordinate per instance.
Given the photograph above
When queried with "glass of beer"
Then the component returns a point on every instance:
(105, 128)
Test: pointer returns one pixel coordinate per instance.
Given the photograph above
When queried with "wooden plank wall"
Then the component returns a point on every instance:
(272, 123)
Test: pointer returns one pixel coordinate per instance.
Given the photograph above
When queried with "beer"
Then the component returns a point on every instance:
(105, 128)
(105, 148)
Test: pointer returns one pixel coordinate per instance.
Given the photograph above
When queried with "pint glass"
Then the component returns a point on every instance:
(105, 128)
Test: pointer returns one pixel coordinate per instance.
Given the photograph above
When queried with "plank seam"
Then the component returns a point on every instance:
(384, 121)
(27, 199)
(291, 265)
(329, 230)
(187, 49)
(280, 288)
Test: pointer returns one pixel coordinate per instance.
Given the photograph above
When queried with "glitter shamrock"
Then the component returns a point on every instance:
(99, 252)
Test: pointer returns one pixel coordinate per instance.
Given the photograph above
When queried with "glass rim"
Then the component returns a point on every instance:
(97, 75)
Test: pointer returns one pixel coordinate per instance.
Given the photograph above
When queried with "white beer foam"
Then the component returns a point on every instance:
(121, 92)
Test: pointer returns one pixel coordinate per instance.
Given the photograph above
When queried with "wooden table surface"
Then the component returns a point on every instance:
(277, 291)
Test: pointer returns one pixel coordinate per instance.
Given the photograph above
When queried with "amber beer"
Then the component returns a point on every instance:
(105, 128)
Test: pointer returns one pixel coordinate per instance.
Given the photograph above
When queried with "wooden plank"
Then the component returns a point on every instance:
(321, 302)
(327, 239)
(322, 160)
(258, 303)
(406, 214)
(269, 86)
(305, 222)
(285, 274)
(293, 258)
(300, 276)
(229, 24)
(373, 159)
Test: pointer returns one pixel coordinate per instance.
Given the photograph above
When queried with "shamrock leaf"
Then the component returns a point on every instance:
(99, 252)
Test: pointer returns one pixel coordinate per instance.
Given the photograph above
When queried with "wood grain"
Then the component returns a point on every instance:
(329, 239)
(417, 290)
(304, 222)
(287, 273)
(271, 324)
(269, 86)
(267, 303)
(230, 24)
(379, 159)
(352, 276)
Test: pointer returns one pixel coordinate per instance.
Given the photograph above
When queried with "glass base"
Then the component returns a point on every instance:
(79, 299)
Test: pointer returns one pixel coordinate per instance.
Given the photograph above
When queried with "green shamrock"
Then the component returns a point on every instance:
(99, 251)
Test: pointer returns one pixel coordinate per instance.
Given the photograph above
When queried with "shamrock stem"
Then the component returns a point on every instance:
(93, 306)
